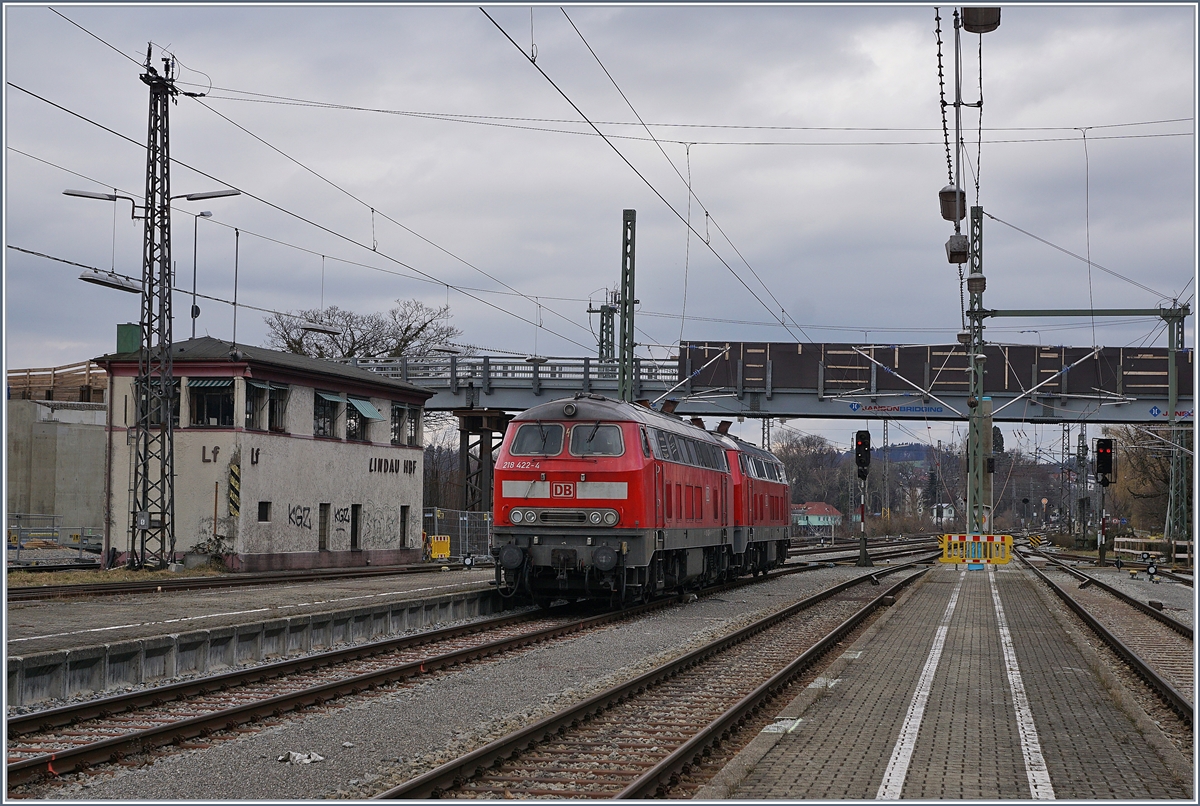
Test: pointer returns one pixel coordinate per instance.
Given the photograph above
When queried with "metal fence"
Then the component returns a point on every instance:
(27, 531)
(469, 532)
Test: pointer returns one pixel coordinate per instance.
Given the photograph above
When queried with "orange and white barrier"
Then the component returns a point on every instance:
(977, 549)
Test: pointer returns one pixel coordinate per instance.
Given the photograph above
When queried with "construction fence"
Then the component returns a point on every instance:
(451, 534)
(31, 531)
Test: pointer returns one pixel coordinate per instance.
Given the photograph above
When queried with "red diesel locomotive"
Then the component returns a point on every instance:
(596, 498)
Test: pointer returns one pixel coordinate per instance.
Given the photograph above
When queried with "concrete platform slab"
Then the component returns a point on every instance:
(60, 649)
(953, 696)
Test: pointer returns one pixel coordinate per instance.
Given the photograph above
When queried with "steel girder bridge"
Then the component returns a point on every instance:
(1025, 383)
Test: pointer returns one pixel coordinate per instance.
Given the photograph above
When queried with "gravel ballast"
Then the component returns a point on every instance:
(376, 741)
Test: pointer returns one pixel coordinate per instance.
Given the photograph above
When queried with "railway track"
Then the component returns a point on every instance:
(1182, 578)
(37, 592)
(76, 737)
(633, 740)
(852, 544)
(1159, 648)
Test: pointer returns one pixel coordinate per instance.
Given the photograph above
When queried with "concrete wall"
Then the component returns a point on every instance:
(293, 474)
(56, 460)
(44, 676)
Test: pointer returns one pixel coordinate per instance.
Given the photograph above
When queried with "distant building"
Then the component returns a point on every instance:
(56, 461)
(943, 512)
(815, 518)
(329, 458)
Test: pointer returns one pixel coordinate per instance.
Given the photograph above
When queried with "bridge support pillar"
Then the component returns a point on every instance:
(477, 453)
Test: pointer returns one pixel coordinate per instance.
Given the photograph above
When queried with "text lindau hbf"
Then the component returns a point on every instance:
(381, 465)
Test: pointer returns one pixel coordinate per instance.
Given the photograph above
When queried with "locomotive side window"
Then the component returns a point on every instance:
(689, 451)
(597, 440)
(537, 439)
(660, 441)
(674, 446)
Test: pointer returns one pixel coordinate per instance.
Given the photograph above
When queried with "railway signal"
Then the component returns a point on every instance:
(1104, 462)
(1104, 476)
(862, 452)
(862, 458)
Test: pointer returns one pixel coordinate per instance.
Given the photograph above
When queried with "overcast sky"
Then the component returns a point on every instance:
(817, 152)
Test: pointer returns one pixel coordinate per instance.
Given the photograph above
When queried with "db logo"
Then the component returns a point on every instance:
(562, 489)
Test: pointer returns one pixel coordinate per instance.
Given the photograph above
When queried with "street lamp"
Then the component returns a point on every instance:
(111, 280)
(208, 194)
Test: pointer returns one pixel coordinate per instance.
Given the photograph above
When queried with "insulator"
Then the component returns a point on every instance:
(976, 283)
(958, 249)
(980, 20)
(954, 203)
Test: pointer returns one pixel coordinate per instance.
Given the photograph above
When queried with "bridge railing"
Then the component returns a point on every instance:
(487, 372)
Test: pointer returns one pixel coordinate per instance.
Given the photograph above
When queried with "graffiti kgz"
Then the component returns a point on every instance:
(342, 515)
(300, 516)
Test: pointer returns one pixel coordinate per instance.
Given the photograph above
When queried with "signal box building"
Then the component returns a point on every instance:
(281, 461)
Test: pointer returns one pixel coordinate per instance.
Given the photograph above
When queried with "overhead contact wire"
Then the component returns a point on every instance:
(624, 159)
(287, 212)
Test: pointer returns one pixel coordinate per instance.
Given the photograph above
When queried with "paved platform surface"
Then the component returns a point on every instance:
(942, 702)
(54, 625)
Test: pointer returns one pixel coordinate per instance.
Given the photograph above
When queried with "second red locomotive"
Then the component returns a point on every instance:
(601, 499)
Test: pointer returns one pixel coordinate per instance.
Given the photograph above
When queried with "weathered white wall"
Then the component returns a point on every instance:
(295, 472)
(56, 461)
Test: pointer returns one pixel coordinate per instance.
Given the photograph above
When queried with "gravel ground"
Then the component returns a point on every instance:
(47, 556)
(1179, 601)
(381, 740)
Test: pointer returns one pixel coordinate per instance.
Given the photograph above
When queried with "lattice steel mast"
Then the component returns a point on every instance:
(153, 500)
(625, 379)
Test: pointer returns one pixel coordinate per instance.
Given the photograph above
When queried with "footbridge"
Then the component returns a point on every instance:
(1026, 383)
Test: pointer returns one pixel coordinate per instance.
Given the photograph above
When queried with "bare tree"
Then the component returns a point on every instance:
(1143, 471)
(410, 328)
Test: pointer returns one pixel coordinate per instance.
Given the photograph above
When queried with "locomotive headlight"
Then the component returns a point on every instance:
(515, 516)
(530, 516)
(594, 517)
(610, 517)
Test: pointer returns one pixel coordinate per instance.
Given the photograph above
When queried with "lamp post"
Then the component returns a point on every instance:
(195, 308)
(207, 194)
(152, 500)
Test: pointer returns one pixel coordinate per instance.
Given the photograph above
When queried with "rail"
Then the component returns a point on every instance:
(1164, 689)
(448, 775)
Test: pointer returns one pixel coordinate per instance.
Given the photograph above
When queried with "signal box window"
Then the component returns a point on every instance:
(538, 439)
(596, 440)
(256, 404)
(277, 400)
(356, 424)
(325, 412)
(414, 427)
(359, 413)
(398, 415)
(212, 401)
(156, 413)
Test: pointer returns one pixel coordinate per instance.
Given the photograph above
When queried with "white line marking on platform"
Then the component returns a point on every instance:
(897, 768)
(236, 612)
(1031, 748)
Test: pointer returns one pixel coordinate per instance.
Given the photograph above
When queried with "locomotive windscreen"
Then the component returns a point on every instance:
(538, 439)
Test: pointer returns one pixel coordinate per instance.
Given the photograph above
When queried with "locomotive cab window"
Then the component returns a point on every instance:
(596, 440)
(537, 439)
